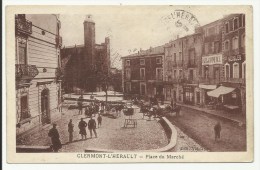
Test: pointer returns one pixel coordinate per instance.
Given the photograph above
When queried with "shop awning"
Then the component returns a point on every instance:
(220, 91)
(208, 87)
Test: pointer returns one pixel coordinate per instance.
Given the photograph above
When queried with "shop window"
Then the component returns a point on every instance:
(142, 62)
(227, 70)
(235, 70)
(235, 43)
(244, 70)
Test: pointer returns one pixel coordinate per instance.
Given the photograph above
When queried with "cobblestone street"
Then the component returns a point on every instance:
(111, 135)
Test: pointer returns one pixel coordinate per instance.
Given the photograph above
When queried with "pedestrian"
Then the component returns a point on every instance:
(99, 119)
(86, 111)
(172, 103)
(80, 105)
(70, 130)
(55, 138)
(217, 130)
(82, 128)
(92, 127)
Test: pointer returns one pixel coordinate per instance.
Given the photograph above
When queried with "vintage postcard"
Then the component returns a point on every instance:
(116, 84)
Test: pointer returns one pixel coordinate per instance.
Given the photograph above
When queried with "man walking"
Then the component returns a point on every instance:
(80, 104)
(217, 130)
(82, 128)
(92, 126)
(99, 119)
(70, 130)
(55, 138)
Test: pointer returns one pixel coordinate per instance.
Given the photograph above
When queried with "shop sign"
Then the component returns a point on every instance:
(235, 58)
(212, 59)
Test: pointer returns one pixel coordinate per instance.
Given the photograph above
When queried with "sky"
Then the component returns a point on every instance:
(132, 28)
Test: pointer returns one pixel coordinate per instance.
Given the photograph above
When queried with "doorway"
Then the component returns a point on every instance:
(45, 107)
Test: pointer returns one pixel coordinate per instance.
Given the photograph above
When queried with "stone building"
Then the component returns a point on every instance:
(37, 70)
(212, 59)
(83, 64)
(143, 72)
(234, 60)
(173, 70)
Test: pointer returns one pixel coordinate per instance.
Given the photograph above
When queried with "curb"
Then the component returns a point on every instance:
(240, 123)
(170, 131)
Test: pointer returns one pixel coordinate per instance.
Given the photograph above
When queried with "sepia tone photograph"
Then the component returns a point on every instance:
(110, 82)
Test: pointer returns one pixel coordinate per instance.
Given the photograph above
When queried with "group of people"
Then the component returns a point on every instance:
(82, 125)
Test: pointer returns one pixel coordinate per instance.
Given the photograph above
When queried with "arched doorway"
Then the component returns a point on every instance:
(45, 106)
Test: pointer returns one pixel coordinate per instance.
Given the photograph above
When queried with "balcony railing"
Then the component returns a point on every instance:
(23, 25)
(58, 41)
(207, 80)
(235, 80)
(24, 71)
(174, 81)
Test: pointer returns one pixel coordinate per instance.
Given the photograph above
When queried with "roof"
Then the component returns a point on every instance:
(151, 51)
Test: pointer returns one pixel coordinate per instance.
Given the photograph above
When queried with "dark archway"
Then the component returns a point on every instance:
(45, 106)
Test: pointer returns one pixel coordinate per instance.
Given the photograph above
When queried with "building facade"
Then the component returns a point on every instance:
(234, 60)
(206, 68)
(83, 64)
(37, 69)
(212, 59)
(143, 72)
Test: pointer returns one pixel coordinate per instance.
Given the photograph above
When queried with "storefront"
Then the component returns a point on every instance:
(227, 98)
(203, 89)
(189, 94)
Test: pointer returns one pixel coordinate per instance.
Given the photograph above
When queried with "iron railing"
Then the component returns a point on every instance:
(23, 25)
(24, 71)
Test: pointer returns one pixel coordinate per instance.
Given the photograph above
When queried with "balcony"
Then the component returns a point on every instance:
(23, 26)
(58, 41)
(26, 72)
(208, 81)
(235, 80)
(174, 81)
